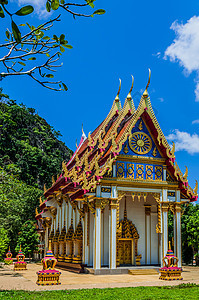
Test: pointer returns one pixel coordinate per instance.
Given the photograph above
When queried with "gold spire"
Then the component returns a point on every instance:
(76, 143)
(53, 180)
(129, 94)
(185, 174)
(40, 201)
(196, 188)
(169, 245)
(44, 188)
(36, 211)
(117, 99)
(20, 248)
(9, 248)
(145, 94)
(49, 247)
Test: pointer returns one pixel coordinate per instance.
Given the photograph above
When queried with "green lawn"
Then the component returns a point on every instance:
(183, 291)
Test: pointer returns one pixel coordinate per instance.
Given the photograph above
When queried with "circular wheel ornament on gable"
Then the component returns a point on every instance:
(140, 143)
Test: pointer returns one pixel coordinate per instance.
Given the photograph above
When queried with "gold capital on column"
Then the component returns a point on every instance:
(177, 207)
(113, 203)
(165, 207)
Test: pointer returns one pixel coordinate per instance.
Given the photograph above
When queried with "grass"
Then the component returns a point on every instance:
(182, 291)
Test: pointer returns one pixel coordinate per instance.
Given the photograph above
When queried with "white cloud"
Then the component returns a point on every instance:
(185, 48)
(185, 141)
(39, 6)
(161, 99)
(195, 122)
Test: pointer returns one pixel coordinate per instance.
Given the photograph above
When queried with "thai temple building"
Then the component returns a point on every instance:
(109, 206)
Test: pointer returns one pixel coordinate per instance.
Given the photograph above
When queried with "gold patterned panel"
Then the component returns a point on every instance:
(149, 172)
(130, 171)
(120, 170)
(158, 173)
(140, 171)
(140, 143)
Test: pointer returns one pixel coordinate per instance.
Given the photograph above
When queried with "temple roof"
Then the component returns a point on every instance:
(96, 154)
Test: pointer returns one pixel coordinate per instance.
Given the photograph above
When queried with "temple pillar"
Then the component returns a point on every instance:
(147, 234)
(177, 241)
(46, 241)
(165, 207)
(85, 236)
(113, 230)
(97, 237)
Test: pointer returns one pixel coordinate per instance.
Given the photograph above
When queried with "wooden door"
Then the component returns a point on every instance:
(125, 252)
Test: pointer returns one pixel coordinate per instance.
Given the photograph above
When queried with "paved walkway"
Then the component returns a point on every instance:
(26, 280)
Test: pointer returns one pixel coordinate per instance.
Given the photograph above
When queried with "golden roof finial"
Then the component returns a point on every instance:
(36, 211)
(173, 149)
(53, 180)
(20, 248)
(169, 245)
(40, 201)
(129, 94)
(76, 143)
(145, 94)
(117, 96)
(49, 247)
(44, 188)
(196, 188)
(185, 174)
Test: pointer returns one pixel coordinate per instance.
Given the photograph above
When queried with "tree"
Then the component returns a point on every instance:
(29, 50)
(4, 241)
(29, 146)
(192, 228)
(28, 239)
(17, 204)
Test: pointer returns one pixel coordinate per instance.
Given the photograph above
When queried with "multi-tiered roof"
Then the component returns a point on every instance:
(94, 158)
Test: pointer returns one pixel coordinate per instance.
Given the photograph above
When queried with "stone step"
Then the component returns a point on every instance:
(143, 272)
(76, 268)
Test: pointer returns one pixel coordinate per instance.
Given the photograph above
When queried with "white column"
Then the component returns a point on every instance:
(165, 227)
(46, 241)
(175, 234)
(60, 219)
(178, 234)
(85, 240)
(148, 234)
(113, 229)
(97, 238)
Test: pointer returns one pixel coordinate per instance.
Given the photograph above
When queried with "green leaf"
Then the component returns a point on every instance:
(7, 34)
(50, 75)
(47, 54)
(68, 46)
(62, 1)
(21, 63)
(55, 4)
(16, 32)
(62, 49)
(32, 58)
(24, 11)
(22, 24)
(55, 38)
(48, 6)
(99, 12)
(62, 37)
(2, 12)
(90, 2)
(46, 38)
(64, 86)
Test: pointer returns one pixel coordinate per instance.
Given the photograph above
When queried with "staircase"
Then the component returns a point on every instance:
(143, 272)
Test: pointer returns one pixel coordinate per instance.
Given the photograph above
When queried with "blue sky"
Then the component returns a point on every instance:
(130, 38)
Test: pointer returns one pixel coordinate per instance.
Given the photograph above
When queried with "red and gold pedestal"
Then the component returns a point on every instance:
(48, 276)
(8, 258)
(20, 265)
(170, 270)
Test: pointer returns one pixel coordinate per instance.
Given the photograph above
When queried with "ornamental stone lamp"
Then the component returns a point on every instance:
(48, 276)
(20, 264)
(8, 258)
(170, 269)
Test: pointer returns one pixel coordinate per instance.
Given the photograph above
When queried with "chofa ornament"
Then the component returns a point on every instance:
(48, 276)
(170, 269)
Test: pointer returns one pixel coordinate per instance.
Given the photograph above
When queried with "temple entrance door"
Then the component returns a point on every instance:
(126, 256)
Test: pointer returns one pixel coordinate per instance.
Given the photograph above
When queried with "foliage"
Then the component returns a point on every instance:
(28, 239)
(168, 292)
(29, 146)
(29, 50)
(4, 240)
(17, 205)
